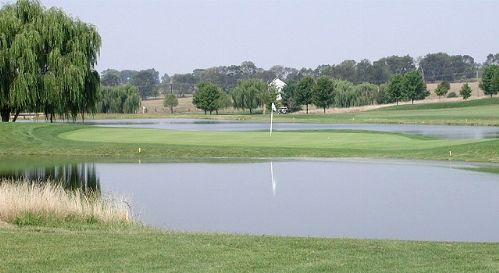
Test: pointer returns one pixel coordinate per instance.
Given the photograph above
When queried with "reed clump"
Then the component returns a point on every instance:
(25, 201)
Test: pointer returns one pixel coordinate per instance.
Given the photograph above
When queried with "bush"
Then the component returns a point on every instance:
(452, 95)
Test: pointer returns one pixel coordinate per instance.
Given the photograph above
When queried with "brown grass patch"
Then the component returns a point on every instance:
(50, 200)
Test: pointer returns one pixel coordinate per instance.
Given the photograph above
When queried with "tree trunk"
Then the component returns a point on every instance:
(171, 109)
(324, 110)
(5, 113)
(250, 111)
(307, 108)
(51, 118)
(16, 115)
(397, 102)
(412, 101)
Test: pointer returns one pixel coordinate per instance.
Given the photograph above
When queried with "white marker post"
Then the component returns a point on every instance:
(272, 116)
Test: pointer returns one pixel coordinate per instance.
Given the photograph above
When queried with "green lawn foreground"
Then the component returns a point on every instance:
(43, 249)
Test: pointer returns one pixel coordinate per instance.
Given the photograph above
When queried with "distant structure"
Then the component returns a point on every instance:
(278, 85)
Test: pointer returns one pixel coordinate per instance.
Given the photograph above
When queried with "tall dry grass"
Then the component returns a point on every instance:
(20, 198)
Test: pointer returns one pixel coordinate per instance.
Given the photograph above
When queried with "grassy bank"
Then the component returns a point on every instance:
(34, 249)
(87, 141)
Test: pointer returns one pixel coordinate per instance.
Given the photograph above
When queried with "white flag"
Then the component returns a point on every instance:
(273, 107)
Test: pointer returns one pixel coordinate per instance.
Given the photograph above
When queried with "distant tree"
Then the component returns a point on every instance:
(224, 102)
(246, 94)
(170, 101)
(442, 88)
(346, 94)
(289, 95)
(395, 88)
(492, 59)
(147, 82)
(165, 79)
(207, 97)
(267, 97)
(110, 77)
(382, 96)
(465, 91)
(127, 75)
(490, 80)
(414, 86)
(443, 67)
(364, 71)
(118, 99)
(304, 91)
(368, 92)
(346, 70)
(323, 93)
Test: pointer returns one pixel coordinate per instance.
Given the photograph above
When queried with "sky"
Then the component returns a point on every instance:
(179, 36)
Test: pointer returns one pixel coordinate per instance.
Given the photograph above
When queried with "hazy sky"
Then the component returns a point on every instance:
(179, 36)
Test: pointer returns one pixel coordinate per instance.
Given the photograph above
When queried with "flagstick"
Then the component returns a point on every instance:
(271, 116)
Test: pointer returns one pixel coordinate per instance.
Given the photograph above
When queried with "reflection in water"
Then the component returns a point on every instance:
(274, 185)
(71, 176)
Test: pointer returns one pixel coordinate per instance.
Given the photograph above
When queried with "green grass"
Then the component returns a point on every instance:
(41, 249)
(21, 140)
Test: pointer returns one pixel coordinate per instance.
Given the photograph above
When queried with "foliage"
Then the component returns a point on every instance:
(323, 93)
(304, 91)
(444, 67)
(118, 99)
(395, 88)
(366, 94)
(111, 77)
(247, 94)
(452, 95)
(207, 97)
(170, 101)
(47, 61)
(442, 88)
(414, 86)
(382, 96)
(224, 102)
(490, 80)
(465, 91)
(289, 93)
(147, 82)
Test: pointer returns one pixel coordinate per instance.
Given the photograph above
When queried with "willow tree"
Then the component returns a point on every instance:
(47, 61)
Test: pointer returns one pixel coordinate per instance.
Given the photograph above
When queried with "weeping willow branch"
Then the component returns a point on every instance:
(47, 61)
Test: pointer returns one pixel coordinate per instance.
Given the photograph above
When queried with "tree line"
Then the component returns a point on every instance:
(323, 92)
(434, 67)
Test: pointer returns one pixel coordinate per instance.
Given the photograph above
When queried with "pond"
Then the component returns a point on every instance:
(376, 199)
(442, 131)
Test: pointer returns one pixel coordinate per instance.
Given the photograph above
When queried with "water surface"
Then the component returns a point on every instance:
(442, 131)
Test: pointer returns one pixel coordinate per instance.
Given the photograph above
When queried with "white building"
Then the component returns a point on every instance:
(278, 85)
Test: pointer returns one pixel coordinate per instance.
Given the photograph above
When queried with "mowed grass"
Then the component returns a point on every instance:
(343, 139)
(58, 140)
(39, 249)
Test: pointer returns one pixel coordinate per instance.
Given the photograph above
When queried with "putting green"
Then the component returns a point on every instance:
(301, 139)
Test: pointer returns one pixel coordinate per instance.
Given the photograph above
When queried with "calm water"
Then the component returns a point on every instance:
(443, 131)
(413, 200)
